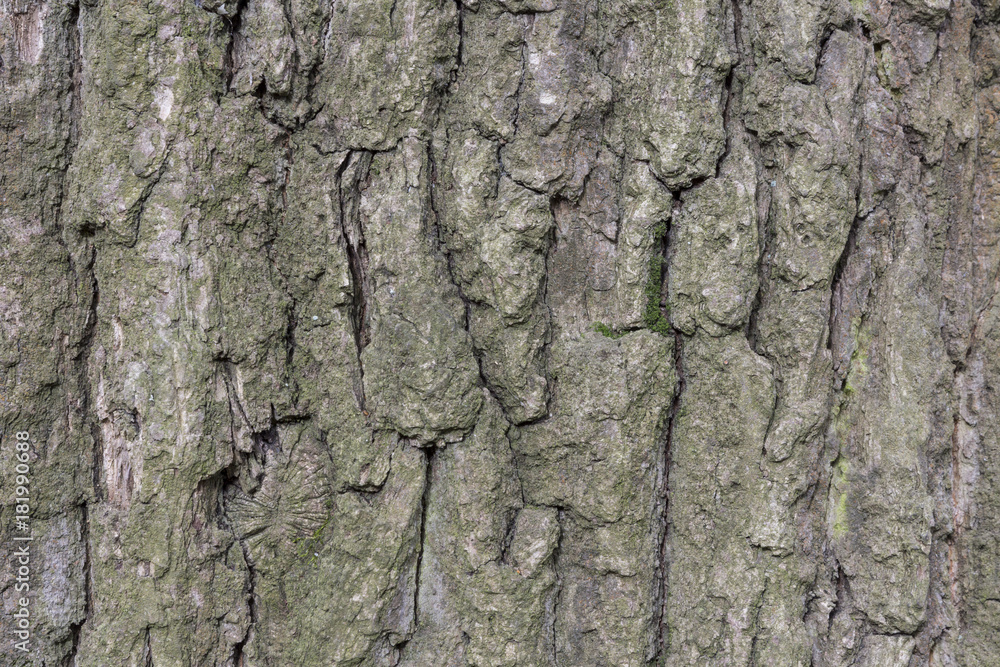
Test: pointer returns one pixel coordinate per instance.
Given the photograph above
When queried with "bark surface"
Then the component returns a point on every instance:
(502, 332)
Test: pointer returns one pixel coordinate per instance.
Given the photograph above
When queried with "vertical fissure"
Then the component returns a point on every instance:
(840, 603)
(755, 640)
(240, 647)
(82, 272)
(76, 79)
(286, 173)
(520, 86)
(147, 650)
(663, 563)
(229, 58)
(425, 499)
(97, 456)
(958, 520)
(765, 237)
(734, 122)
(838, 272)
(357, 260)
(81, 362)
(460, 10)
(290, 327)
(76, 629)
(556, 553)
(666, 456)
(449, 261)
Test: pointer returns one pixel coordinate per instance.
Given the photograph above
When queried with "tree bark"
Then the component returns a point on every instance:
(500, 332)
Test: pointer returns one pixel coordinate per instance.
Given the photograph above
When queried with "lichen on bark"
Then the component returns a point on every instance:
(502, 332)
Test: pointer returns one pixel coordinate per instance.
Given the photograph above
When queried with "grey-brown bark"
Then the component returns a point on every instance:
(501, 332)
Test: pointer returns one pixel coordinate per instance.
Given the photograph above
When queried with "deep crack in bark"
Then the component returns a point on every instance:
(659, 648)
(357, 259)
(425, 500)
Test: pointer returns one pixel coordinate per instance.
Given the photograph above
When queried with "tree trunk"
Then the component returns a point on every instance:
(500, 333)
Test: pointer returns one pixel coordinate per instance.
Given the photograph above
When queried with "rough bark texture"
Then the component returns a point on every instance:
(503, 332)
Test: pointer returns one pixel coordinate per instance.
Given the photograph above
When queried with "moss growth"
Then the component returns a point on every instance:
(653, 317)
(307, 545)
(606, 331)
(858, 370)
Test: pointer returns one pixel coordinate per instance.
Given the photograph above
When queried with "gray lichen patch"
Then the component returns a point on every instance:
(502, 332)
